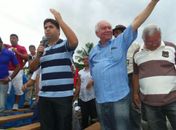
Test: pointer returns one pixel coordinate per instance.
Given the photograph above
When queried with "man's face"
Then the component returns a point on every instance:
(51, 30)
(86, 60)
(153, 42)
(104, 31)
(13, 40)
(32, 50)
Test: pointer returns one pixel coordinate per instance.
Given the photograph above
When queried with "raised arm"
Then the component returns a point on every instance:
(144, 15)
(71, 37)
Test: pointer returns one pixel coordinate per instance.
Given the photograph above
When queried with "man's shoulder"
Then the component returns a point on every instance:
(8, 52)
(170, 44)
(134, 47)
(94, 49)
(6, 45)
(80, 72)
(93, 52)
(20, 46)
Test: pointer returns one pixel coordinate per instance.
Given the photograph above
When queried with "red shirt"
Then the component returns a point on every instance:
(76, 77)
(21, 60)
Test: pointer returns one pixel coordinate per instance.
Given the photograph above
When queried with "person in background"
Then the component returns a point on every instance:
(35, 79)
(86, 95)
(22, 57)
(29, 94)
(154, 79)
(56, 94)
(135, 113)
(109, 72)
(32, 54)
(6, 57)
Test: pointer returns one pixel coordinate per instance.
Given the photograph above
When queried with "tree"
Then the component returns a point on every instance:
(84, 51)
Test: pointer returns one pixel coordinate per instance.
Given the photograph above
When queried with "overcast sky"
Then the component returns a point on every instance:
(25, 17)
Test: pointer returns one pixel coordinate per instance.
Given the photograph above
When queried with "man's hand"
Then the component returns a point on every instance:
(136, 100)
(24, 87)
(40, 50)
(14, 50)
(56, 14)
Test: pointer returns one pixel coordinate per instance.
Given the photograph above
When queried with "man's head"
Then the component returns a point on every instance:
(86, 61)
(152, 37)
(118, 30)
(14, 39)
(103, 30)
(32, 49)
(52, 28)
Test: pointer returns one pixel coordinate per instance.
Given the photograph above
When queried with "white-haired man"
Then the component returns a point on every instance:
(109, 72)
(155, 76)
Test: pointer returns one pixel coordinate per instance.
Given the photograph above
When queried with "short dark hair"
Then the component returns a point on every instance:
(53, 21)
(119, 27)
(1, 40)
(14, 35)
(31, 46)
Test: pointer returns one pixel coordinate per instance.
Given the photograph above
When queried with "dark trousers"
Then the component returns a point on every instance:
(135, 113)
(55, 113)
(88, 111)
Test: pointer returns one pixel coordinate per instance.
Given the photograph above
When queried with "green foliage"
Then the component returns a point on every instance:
(84, 51)
(78, 65)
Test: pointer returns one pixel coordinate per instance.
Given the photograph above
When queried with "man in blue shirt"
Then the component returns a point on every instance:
(6, 57)
(109, 72)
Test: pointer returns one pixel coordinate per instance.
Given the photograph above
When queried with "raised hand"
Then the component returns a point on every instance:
(56, 14)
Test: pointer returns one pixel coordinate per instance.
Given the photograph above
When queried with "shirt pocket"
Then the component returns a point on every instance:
(116, 53)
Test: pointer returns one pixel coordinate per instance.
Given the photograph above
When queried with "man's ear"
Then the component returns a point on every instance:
(97, 33)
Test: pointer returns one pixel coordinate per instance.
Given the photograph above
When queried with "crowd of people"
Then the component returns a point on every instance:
(120, 83)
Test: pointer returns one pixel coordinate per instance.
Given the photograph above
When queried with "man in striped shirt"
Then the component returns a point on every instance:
(155, 78)
(55, 96)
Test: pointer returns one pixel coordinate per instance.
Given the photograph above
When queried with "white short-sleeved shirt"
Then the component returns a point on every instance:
(34, 75)
(85, 94)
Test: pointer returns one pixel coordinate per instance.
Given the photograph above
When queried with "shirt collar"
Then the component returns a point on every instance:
(143, 46)
(106, 44)
(58, 42)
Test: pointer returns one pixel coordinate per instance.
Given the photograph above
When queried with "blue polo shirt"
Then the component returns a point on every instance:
(108, 67)
(6, 56)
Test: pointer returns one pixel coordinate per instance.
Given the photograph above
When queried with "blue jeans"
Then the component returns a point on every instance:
(156, 116)
(114, 115)
(3, 95)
